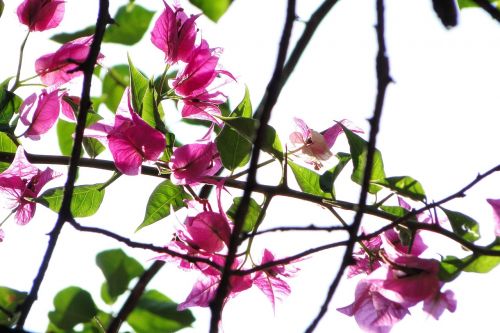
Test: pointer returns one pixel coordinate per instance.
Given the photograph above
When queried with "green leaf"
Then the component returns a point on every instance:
(113, 85)
(6, 146)
(327, 179)
(152, 111)
(252, 217)
(233, 148)
(85, 202)
(359, 149)
(10, 300)
(156, 312)
(118, 269)
(484, 264)
(213, 9)
(67, 37)
(65, 130)
(405, 186)
(138, 86)
(131, 22)
(247, 128)
(470, 3)
(9, 104)
(164, 196)
(93, 147)
(450, 268)
(308, 180)
(463, 225)
(72, 305)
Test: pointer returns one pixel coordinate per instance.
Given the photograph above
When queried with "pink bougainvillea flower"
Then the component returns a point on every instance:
(192, 162)
(131, 140)
(205, 288)
(495, 204)
(175, 34)
(372, 311)
(207, 231)
(39, 112)
(270, 281)
(200, 71)
(40, 15)
(313, 146)
(61, 66)
(366, 262)
(395, 248)
(436, 305)
(21, 183)
(203, 106)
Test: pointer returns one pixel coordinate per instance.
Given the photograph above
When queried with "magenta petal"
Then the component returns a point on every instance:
(333, 132)
(436, 305)
(128, 159)
(208, 231)
(495, 204)
(41, 118)
(40, 15)
(202, 293)
(193, 161)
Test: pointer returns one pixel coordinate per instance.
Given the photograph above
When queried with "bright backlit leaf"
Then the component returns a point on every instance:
(131, 22)
(359, 150)
(156, 312)
(463, 225)
(9, 104)
(213, 9)
(252, 216)
(308, 180)
(6, 146)
(10, 300)
(65, 130)
(85, 202)
(138, 86)
(113, 85)
(73, 305)
(405, 186)
(164, 196)
(470, 3)
(118, 269)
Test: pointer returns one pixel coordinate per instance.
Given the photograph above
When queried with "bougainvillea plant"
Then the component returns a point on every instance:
(396, 267)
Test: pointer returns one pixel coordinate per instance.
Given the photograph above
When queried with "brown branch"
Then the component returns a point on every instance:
(383, 80)
(134, 296)
(270, 98)
(311, 227)
(103, 18)
(489, 8)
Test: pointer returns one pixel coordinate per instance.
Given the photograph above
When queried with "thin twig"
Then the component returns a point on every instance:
(383, 80)
(87, 67)
(489, 8)
(270, 98)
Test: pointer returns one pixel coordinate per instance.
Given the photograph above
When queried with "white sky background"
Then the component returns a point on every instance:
(440, 126)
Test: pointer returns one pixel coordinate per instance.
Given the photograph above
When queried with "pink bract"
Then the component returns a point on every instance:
(191, 162)
(175, 34)
(436, 305)
(21, 183)
(207, 231)
(495, 204)
(40, 112)
(61, 66)
(40, 15)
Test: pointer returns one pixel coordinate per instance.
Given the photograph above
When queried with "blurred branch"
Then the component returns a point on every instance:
(309, 30)
(270, 98)
(87, 67)
(134, 296)
(489, 8)
(383, 80)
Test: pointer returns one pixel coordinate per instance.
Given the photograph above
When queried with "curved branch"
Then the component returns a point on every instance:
(489, 8)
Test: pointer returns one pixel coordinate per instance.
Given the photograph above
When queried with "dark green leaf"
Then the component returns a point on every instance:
(72, 305)
(65, 130)
(113, 85)
(164, 196)
(463, 225)
(405, 186)
(93, 147)
(67, 37)
(397, 211)
(308, 180)
(450, 268)
(213, 9)
(138, 86)
(252, 217)
(156, 312)
(85, 202)
(131, 22)
(10, 300)
(327, 179)
(359, 149)
(6, 146)
(9, 104)
(234, 149)
(247, 127)
(118, 269)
